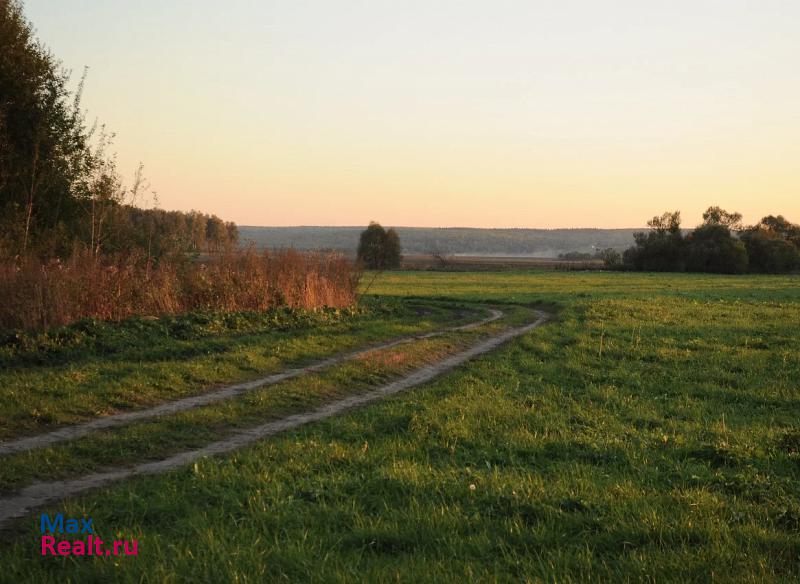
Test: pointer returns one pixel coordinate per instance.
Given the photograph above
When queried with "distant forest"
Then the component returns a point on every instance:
(721, 243)
(542, 243)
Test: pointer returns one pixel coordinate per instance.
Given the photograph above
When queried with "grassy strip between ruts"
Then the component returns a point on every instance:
(650, 435)
(165, 435)
(139, 363)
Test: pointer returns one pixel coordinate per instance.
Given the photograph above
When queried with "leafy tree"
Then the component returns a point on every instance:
(379, 249)
(666, 224)
(59, 185)
(158, 233)
(773, 245)
(781, 227)
(720, 244)
(661, 249)
(719, 216)
(45, 160)
(392, 249)
(712, 248)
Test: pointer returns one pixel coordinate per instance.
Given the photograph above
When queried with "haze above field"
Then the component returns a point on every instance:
(469, 113)
(542, 243)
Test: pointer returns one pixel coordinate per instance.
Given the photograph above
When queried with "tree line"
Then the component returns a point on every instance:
(74, 240)
(59, 184)
(446, 240)
(720, 244)
(160, 233)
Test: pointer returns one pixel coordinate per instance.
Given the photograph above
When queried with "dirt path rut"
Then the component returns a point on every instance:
(223, 393)
(42, 493)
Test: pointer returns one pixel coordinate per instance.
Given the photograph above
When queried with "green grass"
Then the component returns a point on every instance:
(165, 435)
(650, 433)
(94, 368)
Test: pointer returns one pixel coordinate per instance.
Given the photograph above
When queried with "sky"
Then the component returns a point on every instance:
(445, 113)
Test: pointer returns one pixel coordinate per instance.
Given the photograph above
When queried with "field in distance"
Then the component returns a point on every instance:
(533, 243)
(490, 263)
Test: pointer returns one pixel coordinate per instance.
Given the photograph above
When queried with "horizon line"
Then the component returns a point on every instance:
(446, 227)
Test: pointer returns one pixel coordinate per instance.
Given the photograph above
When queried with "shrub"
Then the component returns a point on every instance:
(37, 295)
(719, 245)
(612, 259)
(773, 245)
(661, 249)
(712, 248)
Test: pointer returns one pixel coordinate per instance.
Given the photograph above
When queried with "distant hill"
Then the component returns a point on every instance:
(541, 243)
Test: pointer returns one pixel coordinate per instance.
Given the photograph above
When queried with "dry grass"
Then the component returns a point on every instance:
(37, 295)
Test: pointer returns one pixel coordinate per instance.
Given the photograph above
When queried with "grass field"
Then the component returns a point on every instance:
(477, 263)
(651, 432)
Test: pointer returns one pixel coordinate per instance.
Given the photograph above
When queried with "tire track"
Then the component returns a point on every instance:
(43, 493)
(187, 403)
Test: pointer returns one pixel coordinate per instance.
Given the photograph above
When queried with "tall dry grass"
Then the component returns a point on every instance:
(37, 295)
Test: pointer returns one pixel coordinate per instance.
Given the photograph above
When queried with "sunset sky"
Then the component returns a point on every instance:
(445, 113)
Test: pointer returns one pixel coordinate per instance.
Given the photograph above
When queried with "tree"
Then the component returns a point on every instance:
(720, 244)
(719, 216)
(781, 227)
(773, 245)
(712, 248)
(661, 249)
(667, 224)
(59, 184)
(44, 154)
(392, 249)
(379, 249)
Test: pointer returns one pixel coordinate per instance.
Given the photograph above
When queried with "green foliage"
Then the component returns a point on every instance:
(662, 249)
(719, 245)
(392, 249)
(719, 216)
(158, 233)
(379, 249)
(91, 337)
(46, 164)
(711, 248)
(773, 245)
(59, 184)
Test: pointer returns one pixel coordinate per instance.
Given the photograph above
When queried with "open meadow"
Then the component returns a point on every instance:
(648, 432)
(399, 292)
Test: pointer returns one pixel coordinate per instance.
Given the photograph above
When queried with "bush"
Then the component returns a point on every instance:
(612, 259)
(769, 254)
(661, 249)
(37, 295)
(712, 248)
(773, 245)
(576, 256)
